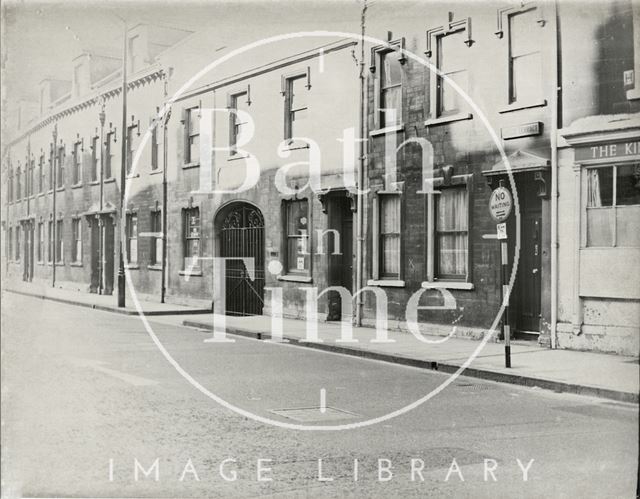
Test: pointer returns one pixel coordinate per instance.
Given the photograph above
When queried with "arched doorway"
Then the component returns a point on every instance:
(241, 235)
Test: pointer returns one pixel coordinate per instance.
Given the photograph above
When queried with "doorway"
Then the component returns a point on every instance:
(241, 235)
(108, 254)
(339, 241)
(29, 247)
(526, 299)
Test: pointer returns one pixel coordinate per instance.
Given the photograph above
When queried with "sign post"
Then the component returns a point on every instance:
(500, 205)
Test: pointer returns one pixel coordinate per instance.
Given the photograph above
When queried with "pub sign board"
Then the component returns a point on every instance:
(627, 150)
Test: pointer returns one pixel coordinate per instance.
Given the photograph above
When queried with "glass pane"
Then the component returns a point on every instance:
(298, 93)
(451, 100)
(526, 78)
(192, 247)
(390, 255)
(390, 214)
(524, 33)
(600, 187)
(628, 185)
(194, 121)
(452, 254)
(297, 259)
(297, 218)
(452, 210)
(452, 52)
(391, 73)
(628, 226)
(194, 149)
(391, 102)
(133, 250)
(600, 227)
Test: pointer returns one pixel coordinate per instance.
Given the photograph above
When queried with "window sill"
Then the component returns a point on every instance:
(109, 180)
(76, 186)
(386, 283)
(448, 285)
(39, 263)
(50, 191)
(295, 278)
(131, 266)
(155, 172)
(40, 194)
(390, 129)
(186, 166)
(633, 94)
(154, 267)
(443, 120)
(60, 189)
(517, 107)
(192, 273)
(133, 175)
(292, 145)
(94, 182)
(58, 264)
(75, 264)
(237, 157)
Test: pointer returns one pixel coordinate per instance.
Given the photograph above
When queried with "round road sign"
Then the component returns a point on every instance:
(500, 204)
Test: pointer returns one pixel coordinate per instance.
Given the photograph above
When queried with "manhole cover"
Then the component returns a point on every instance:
(314, 414)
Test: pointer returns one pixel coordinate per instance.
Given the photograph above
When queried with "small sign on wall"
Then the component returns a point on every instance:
(300, 263)
(524, 130)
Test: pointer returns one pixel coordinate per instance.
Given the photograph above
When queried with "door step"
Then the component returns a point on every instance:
(526, 335)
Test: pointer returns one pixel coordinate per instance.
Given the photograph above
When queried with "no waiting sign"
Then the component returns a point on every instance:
(500, 204)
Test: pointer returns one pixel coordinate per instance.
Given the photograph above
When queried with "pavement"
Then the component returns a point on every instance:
(607, 376)
(100, 302)
(89, 404)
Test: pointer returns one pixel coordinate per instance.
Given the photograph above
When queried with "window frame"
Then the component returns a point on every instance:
(614, 206)
(95, 158)
(155, 222)
(186, 237)
(287, 92)
(512, 99)
(132, 235)
(306, 274)
(77, 163)
(189, 113)
(59, 242)
(60, 171)
(76, 239)
(432, 277)
(110, 138)
(232, 99)
(41, 173)
(378, 53)
(50, 242)
(40, 247)
(377, 220)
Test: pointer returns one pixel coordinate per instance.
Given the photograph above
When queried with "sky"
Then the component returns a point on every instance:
(41, 38)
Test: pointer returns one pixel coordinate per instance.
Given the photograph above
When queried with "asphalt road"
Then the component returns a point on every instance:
(86, 395)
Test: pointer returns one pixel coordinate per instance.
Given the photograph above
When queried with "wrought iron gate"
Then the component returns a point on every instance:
(242, 236)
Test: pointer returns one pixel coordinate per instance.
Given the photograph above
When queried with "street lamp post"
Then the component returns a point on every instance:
(102, 118)
(123, 173)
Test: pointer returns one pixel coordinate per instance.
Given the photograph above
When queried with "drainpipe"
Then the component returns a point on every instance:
(102, 118)
(54, 172)
(361, 175)
(554, 177)
(165, 215)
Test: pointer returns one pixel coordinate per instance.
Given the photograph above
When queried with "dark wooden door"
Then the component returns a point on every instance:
(28, 229)
(109, 255)
(242, 236)
(95, 255)
(340, 271)
(528, 309)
